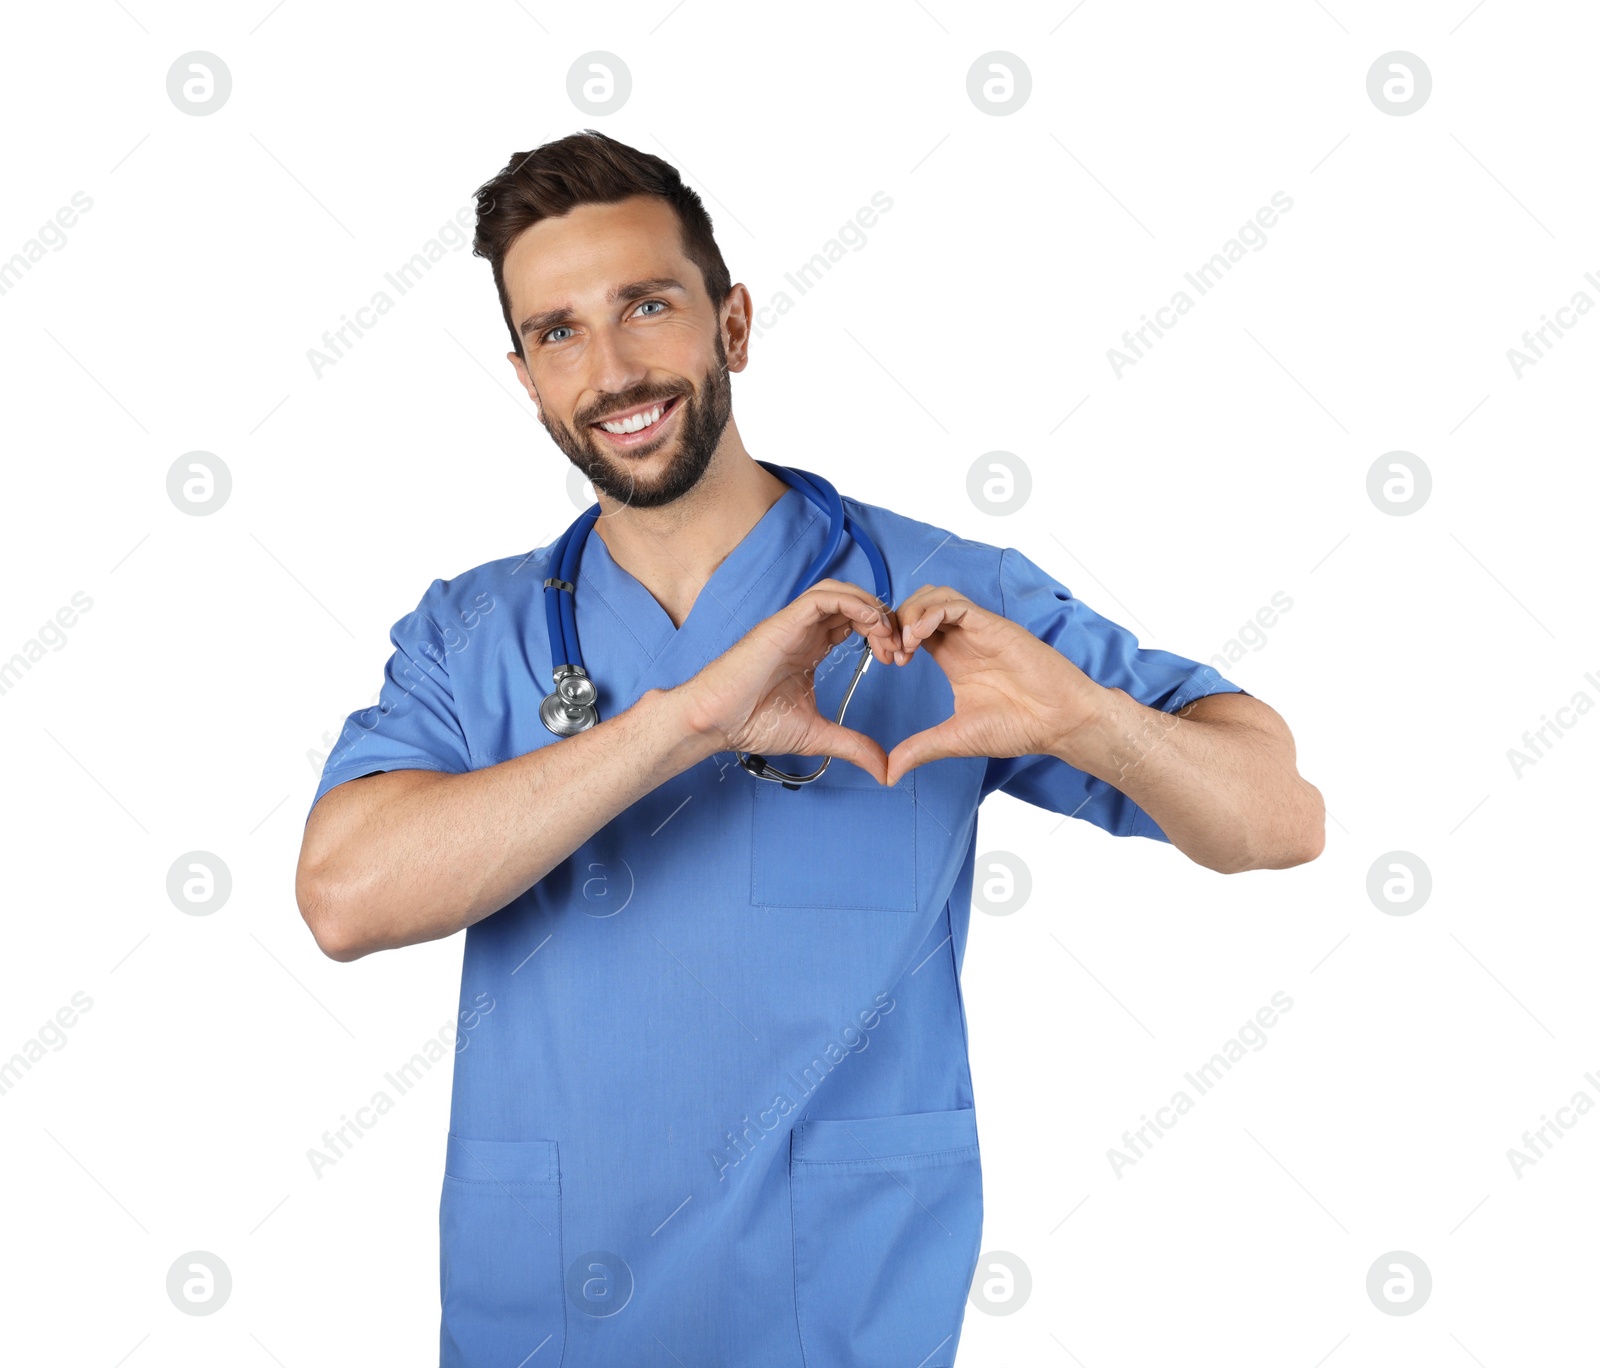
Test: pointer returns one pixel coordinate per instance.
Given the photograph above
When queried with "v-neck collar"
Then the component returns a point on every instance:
(738, 592)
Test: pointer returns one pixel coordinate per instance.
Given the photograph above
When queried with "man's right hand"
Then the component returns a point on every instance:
(759, 695)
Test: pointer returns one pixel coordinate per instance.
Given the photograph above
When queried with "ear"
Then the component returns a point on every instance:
(737, 313)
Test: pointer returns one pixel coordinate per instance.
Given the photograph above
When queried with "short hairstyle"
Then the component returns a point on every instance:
(587, 168)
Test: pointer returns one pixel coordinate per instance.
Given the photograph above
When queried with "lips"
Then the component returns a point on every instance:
(644, 435)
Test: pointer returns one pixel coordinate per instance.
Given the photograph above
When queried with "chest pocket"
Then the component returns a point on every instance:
(844, 842)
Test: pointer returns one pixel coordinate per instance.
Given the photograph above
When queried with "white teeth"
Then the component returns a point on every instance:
(634, 424)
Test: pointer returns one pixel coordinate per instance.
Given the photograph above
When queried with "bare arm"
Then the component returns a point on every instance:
(1218, 777)
(412, 855)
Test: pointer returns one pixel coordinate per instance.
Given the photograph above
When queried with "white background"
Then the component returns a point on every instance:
(1228, 464)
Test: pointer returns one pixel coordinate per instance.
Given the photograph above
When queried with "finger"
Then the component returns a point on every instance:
(844, 589)
(884, 627)
(880, 637)
(886, 639)
(879, 642)
(818, 604)
(929, 609)
(883, 636)
(918, 629)
(936, 743)
(913, 603)
(855, 607)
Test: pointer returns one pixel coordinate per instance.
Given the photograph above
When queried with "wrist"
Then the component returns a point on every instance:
(673, 713)
(1109, 736)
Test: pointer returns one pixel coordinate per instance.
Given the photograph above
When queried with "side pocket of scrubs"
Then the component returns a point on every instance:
(888, 1218)
(500, 1278)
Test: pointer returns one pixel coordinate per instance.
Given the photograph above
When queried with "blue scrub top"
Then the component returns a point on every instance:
(711, 1101)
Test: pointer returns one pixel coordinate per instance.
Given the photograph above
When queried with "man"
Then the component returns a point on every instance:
(711, 1100)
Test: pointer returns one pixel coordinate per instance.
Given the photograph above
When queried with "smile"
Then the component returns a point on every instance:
(641, 426)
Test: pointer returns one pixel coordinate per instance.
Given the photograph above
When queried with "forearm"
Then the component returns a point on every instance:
(1225, 793)
(437, 856)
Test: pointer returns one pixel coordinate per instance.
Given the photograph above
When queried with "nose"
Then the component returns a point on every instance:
(615, 365)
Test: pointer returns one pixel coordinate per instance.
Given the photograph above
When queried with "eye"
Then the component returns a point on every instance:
(659, 302)
(561, 328)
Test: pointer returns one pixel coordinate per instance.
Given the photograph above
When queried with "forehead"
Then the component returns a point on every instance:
(574, 258)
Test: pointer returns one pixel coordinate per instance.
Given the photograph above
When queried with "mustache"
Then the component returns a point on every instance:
(598, 411)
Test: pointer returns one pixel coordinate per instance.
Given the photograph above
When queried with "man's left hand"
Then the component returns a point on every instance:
(1014, 695)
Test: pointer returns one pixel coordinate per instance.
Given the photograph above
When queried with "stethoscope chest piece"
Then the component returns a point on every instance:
(571, 708)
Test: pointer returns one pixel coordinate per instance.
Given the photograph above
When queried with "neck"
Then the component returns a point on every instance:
(673, 550)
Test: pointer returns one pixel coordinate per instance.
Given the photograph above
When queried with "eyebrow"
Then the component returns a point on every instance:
(638, 289)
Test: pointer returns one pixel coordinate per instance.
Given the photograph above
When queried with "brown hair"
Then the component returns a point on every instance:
(587, 168)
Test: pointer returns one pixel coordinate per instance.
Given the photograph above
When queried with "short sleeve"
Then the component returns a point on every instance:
(415, 723)
(1110, 655)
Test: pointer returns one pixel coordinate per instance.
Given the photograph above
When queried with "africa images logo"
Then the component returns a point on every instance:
(852, 1040)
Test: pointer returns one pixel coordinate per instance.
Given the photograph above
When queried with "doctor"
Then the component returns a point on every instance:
(711, 1099)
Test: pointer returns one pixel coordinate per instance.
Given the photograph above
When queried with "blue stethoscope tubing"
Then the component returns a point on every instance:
(571, 708)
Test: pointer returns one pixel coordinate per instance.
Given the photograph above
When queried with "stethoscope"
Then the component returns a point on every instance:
(571, 709)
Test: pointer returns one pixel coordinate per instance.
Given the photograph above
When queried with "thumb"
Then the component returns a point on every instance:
(936, 743)
(844, 744)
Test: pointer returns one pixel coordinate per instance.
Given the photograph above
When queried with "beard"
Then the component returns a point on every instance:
(703, 415)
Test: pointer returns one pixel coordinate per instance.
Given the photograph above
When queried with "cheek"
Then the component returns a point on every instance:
(557, 387)
(680, 346)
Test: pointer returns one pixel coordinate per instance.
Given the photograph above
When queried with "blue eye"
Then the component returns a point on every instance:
(658, 304)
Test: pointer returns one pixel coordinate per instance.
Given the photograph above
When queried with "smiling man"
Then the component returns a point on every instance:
(715, 1105)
